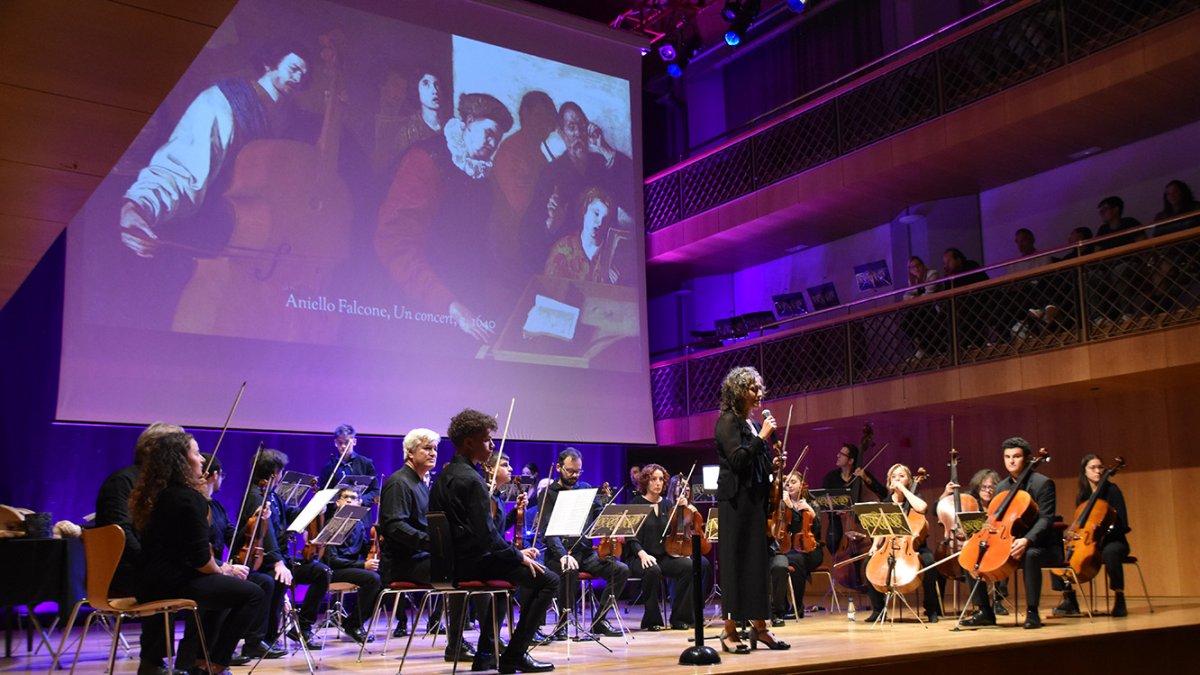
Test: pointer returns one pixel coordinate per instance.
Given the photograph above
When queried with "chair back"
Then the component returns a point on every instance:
(102, 549)
(441, 551)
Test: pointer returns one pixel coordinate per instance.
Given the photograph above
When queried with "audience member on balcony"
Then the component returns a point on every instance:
(919, 273)
(954, 262)
(1077, 235)
(1177, 200)
(1028, 257)
(924, 325)
(1112, 212)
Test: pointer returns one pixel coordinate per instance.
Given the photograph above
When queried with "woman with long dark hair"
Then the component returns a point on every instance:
(743, 483)
(170, 509)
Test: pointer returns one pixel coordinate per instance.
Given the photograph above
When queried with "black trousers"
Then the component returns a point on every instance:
(359, 605)
(614, 573)
(537, 590)
(228, 607)
(679, 571)
(802, 566)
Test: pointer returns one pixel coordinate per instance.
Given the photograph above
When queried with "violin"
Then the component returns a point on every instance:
(948, 509)
(251, 553)
(1083, 540)
(683, 524)
(609, 546)
(896, 563)
(987, 554)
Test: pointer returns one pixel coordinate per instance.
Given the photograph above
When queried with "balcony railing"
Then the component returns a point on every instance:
(1135, 288)
(985, 60)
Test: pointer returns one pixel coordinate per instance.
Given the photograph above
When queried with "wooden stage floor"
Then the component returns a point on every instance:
(821, 643)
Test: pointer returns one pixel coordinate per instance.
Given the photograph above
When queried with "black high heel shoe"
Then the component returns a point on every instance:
(738, 647)
(767, 639)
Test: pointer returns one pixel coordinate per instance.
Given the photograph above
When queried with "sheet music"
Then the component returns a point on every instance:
(571, 511)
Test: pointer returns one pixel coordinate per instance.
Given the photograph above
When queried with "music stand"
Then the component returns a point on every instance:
(293, 486)
(882, 519)
(572, 508)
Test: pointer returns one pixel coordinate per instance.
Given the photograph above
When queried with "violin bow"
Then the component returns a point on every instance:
(228, 418)
(500, 453)
(686, 481)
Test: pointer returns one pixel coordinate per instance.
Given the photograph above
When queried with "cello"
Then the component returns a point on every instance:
(1084, 539)
(896, 564)
(948, 509)
(987, 554)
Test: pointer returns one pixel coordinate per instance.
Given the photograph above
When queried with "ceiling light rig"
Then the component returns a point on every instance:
(739, 14)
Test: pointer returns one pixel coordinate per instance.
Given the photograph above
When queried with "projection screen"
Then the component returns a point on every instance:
(373, 211)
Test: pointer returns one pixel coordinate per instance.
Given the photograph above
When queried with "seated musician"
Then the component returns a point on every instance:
(404, 554)
(345, 441)
(795, 498)
(848, 476)
(983, 487)
(276, 561)
(479, 551)
(567, 556)
(900, 483)
(1041, 545)
(350, 564)
(221, 532)
(647, 556)
(171, 512)
(1115, 547)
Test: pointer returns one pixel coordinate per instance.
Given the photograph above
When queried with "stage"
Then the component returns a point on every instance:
(821, 643)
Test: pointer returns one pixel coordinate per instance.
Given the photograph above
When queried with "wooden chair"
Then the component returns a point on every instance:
(102, 548)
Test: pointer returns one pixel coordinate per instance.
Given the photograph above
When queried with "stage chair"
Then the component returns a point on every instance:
(102, 548)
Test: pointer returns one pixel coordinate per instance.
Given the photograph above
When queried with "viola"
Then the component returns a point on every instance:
(899, 553)
(685, 522)
(987, 554)
(251, 553)
(1084, 539)
(948, 509)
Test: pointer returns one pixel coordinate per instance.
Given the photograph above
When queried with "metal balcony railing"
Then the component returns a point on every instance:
(981, 61)
(1087, 297)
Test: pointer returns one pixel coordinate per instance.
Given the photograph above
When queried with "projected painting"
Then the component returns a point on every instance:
(339, 202)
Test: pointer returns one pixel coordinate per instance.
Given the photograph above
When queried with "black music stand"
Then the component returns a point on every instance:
(881, 519)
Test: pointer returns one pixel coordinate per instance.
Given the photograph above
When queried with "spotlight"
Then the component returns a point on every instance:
(667, 52)
(797, 6)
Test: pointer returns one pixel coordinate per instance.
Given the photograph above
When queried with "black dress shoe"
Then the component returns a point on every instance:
(483, 661)
(603, 627)
(1032, 620)
(980, 618)
(262, 649)
(522, 664)
(465, 651)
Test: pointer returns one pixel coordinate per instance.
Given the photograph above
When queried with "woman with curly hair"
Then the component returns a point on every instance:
(742, 489)
(171, 511)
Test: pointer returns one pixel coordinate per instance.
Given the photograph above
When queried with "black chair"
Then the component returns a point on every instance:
(442, 582)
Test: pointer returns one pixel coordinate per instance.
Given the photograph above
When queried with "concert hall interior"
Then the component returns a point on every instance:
(946, 236)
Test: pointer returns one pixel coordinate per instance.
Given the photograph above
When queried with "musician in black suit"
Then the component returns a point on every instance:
(743, 484)
(1040, 546)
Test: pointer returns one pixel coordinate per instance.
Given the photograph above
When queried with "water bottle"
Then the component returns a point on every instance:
(850, 609)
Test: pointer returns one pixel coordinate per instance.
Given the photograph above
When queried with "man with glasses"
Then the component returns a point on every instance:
(350, 565)
(567, 556)
(352, 464)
